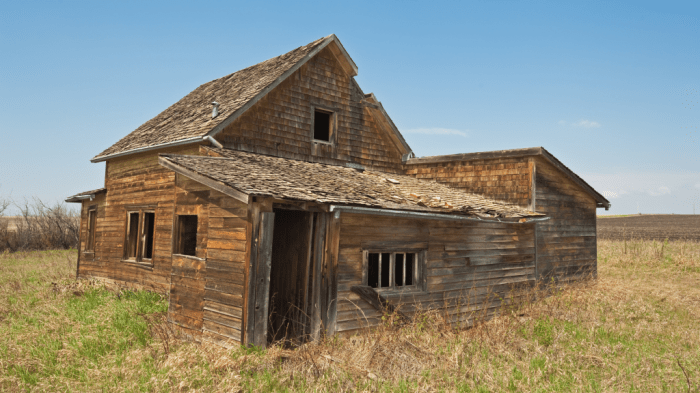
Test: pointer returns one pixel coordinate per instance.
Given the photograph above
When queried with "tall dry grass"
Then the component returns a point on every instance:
(635, 328)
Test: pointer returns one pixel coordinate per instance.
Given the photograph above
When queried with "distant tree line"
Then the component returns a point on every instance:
(39, 226)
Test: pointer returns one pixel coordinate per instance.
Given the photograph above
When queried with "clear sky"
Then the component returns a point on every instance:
(610, 88)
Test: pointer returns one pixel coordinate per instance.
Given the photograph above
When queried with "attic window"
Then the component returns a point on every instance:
(323, 125)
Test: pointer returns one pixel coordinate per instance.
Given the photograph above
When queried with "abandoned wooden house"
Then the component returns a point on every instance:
(280, 199)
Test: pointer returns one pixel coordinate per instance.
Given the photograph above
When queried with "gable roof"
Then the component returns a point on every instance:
(531, 151)
(242, 174)
(189, 120)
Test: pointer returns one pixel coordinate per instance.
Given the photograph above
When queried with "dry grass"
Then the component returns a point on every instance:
(635, 328)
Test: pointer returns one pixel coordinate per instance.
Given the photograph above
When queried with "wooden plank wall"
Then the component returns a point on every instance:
(186, 302)
(221, 240)
(504, 179)
(466, 264)
(133, 180)
(280, 123)
(566, 244)
(89, 260)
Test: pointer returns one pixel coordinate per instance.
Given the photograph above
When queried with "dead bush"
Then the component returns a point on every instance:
(39, 226)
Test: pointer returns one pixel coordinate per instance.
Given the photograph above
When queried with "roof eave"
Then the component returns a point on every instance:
(79, 198)
(375, 106)
(197, 139)
(433, 216)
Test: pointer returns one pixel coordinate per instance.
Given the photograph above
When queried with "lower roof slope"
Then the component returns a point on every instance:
(282, 178)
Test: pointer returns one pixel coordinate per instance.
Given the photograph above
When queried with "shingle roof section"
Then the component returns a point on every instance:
(191, 116)
(283, 178)
(74, 198)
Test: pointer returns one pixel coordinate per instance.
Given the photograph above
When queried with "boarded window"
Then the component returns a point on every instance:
(186, 241)
(392, 270)
(92, 222)
(322, 125)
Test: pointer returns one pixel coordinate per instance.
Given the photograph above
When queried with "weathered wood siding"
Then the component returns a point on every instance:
(221, 242)
(186, 302)
(89, 260)
(281, 123)
(466, 264)
(566, 244)
(135, 180)
(504, 179)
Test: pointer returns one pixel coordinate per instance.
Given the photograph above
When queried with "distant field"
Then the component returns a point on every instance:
(11, 223)
(650, 227)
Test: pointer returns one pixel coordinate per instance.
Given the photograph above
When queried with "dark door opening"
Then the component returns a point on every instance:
(290, 286)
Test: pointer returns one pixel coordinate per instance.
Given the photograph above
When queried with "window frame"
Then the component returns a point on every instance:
(333, 124)
(91, 230)
(176, 235)
(140, 211)
(419, 277)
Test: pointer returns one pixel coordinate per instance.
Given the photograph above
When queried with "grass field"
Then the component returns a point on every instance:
(635, 328)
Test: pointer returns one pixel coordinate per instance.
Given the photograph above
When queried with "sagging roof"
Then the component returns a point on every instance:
(190, 119)
(242, 174)
(531, 151)
(85, 195)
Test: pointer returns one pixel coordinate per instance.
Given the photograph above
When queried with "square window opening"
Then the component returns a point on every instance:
(186, 235)
(322, 125)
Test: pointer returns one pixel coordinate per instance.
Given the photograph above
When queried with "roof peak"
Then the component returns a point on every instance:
(189, 120)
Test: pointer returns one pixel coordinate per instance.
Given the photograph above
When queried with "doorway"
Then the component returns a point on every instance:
(290, 276)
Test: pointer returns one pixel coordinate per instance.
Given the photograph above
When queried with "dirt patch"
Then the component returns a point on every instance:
(650, 227)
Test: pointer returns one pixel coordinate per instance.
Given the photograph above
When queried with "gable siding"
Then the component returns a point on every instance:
(280, 123)
(566, 243)
(503, 179)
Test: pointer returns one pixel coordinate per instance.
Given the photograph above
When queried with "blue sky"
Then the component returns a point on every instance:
(610, 88)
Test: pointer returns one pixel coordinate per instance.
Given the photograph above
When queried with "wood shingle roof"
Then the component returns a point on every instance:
(191, 117)
(282, 178)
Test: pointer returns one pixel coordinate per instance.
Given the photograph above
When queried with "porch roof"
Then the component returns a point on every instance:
(85, 195)
(250, 174)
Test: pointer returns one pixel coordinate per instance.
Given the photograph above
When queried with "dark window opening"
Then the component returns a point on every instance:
(391, 270)
(373, 270)
(149, 226)
(410, 269)
(187, 235)
(386, 270)
(322, 126)
(132, 236)
(399, 270)
(92, 221)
